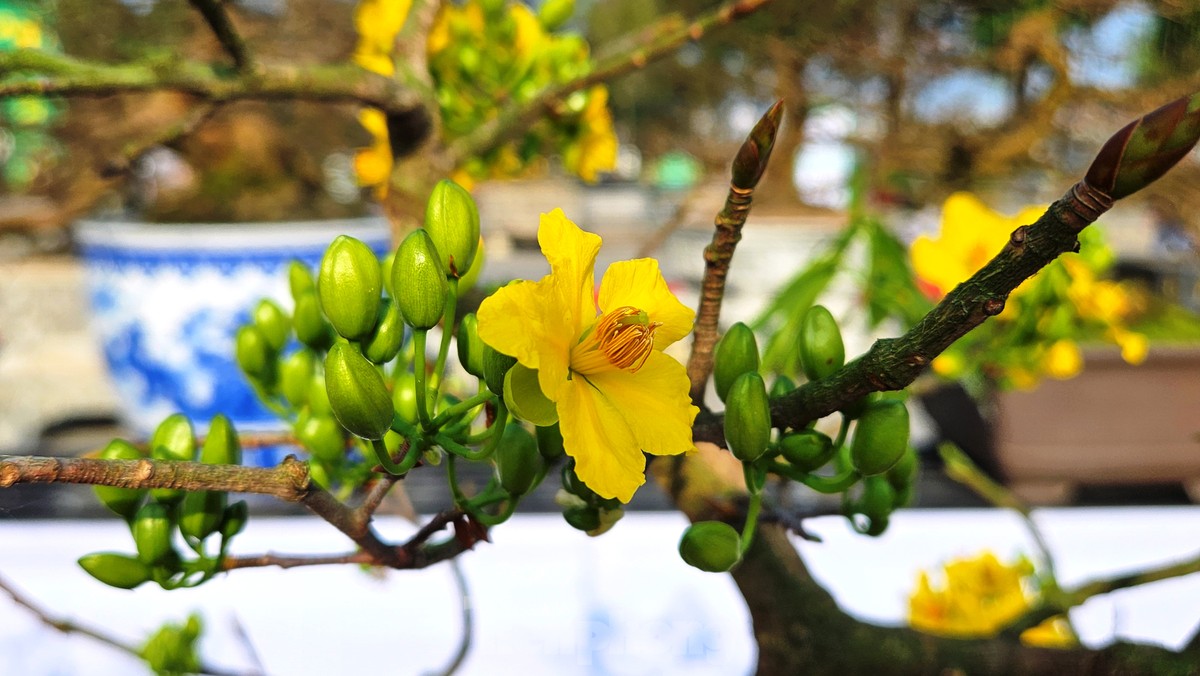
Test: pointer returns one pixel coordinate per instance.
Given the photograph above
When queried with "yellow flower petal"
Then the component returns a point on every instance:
(572, 256)
(607, 456)
(525, 320)
(640, 284)
(653, 403)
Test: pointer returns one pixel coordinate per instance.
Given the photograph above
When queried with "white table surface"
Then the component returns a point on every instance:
(549, 600)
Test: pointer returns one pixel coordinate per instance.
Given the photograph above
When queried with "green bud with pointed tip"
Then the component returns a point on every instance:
(152, 533)
(822, 352)
(470, 347)
(221, 446)
(880, 437)
(420, 281)
(115, 570)
(519, 465)
(235, 519)
(452, 221)
(318, 396)
(349, 285)
(387, 339)
(807, 450)
(554, 13)
(273, 322)
(359, 398)
(737, 353)
(495, 367)
(711, 546)
(300, 280)
(781, 386)
(123, 501)
(310, 325)
(255, 356)
(296, 374)
(876, 503)
(748, 418)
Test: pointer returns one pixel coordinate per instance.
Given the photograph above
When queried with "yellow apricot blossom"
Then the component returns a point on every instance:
(595, 150)
(971, 234)
(980, 597)
(1062, 360)
(598, 359)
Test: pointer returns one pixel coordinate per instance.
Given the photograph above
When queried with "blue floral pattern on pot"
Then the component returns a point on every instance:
(168, 299)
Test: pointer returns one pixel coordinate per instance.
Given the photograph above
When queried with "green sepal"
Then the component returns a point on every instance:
(524, 399)
(495, 367)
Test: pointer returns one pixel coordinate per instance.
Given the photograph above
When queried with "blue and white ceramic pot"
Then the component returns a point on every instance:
(167, 300)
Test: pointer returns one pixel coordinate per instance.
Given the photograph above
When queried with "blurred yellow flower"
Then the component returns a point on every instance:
(980, 597)
(971, 234)
(1062, 360)
(595, 150)
(378, 22)
(373, 165)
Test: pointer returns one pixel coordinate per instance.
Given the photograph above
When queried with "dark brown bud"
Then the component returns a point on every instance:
(752, 158)
(1146, 148)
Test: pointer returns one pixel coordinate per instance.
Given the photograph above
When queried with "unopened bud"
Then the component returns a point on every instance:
(349, 285)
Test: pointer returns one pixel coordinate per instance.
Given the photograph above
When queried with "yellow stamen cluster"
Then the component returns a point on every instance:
(623, 338)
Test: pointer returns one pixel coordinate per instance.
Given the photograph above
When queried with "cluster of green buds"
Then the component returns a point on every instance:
(357, 385)
(155, 516)
(873, 468)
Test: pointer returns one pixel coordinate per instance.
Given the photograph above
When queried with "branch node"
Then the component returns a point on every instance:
(1017, 238)
(993, 306)
(1084, 203)
(144, 470)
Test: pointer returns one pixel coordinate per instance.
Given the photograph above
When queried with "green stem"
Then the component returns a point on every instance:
(419, 373)
(398, 468)
(752, 513)
(447, 333)
(461, 407)
(822, 484)
(456, 493)
(843, 430)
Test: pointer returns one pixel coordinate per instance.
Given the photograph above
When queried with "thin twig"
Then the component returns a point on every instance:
(667, 35)
(218, 20)
(468, 621)
(295, 560)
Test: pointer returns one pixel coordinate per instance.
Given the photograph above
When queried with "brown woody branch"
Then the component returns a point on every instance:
(218, 20)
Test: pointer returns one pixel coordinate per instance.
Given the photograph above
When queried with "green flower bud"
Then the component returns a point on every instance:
(318, 396)
(322, 436)
(385, 269)
(404, 396)
(495, 367)
(880, 437)
(550, 442)
(821, 349)
(273, 322)
(235, 519)
(295, 376)
(420, 281)
(300, 280)
(173, 440)
(519, 465)
(554, 13)
(711, 546)
(781, 386)
(115, 570)
(348, 286)
(255, 356)
(359, 398)
(221, 446)
(470, 347)
(309, 324)
(748, 417)
(737, 353)
(201, 513)
(876, 503)
(585, 518)
(524, 398)
(807, 450)
(387, 339)
(152, 533)
(452, 221)
(609, 516)
(123, 501)
(904, 472)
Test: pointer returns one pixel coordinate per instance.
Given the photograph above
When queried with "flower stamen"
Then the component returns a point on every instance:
(623, 338)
